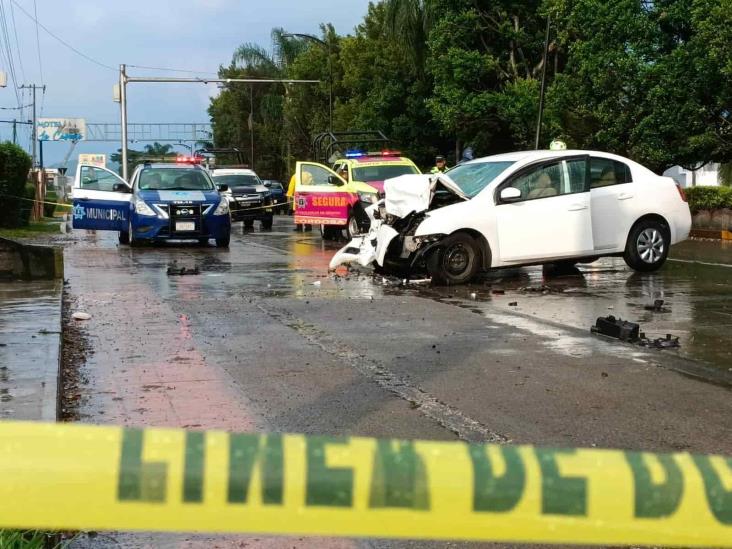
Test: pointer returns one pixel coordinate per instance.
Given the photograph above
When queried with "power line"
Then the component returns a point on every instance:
(14, 108)
(17, 42)
(38, 39)
(61, 40)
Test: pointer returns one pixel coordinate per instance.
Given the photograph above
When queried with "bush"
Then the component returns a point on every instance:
(709, 198)
(14, 166)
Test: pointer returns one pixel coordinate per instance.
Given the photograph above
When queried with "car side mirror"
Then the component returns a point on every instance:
(267, 183)
(121, 188)
(335, 180)
(510, 194)
(222, 187)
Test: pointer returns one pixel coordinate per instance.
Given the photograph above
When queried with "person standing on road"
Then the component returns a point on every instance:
(440, 165)
(291, 199)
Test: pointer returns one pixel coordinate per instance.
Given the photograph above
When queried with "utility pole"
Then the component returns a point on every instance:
(34, 87)
(251, 122)
(15, 132)
(123, 116)
(543, 85)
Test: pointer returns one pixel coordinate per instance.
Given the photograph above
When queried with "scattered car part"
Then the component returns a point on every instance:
(182, 271)
(668, 342)
(78, 315)
(616, 328)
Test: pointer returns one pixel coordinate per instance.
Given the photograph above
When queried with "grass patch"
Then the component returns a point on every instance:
(45, 226)
(29, 539)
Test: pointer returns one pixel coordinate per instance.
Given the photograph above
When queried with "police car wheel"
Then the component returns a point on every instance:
(131, 240)
(223, 242)
(203, 241)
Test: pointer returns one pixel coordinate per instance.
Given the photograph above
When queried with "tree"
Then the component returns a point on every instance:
(158, 149)
(648, 80)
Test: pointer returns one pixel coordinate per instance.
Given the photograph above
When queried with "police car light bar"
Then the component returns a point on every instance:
(354, 154)
(189, 159)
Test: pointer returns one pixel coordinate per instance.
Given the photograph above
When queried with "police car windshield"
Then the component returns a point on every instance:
(367, 174)
(237, 180)
(476, 176)
(174, 179)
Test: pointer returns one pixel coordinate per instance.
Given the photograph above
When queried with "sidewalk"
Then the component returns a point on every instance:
(30, 339)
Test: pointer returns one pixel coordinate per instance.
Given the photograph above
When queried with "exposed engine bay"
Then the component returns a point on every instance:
(391, 245)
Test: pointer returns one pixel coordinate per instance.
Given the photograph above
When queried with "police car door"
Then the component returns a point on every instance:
(101, 199)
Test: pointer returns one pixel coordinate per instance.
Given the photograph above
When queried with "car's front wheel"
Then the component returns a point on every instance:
(456, 261)
(267, 223)
(223, 242)
(131, 240)
(647, 246)
(124, 237)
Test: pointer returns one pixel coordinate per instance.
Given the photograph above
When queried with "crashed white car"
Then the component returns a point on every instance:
(523, 208)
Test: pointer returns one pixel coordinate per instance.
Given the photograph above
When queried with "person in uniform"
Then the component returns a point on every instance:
(440, 165)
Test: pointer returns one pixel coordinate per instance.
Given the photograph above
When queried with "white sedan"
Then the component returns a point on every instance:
(523, 208)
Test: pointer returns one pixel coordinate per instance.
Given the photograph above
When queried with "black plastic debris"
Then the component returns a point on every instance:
(513, 304)
(657, 307)
(616, 328)
(182, 271)
(668, 342)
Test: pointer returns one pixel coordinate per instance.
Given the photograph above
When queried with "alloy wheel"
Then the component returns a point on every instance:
(650, 245)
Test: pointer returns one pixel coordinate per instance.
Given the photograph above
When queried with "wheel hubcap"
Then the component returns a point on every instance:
(456, 259)
(650, 245)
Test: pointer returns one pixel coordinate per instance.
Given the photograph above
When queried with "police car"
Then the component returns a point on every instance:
(166, 201)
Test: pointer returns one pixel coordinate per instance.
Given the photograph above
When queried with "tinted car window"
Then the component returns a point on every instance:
(96, 179)
(380, 173)
(174, 179)
(474, 177)
(605, 172)
(237, 180)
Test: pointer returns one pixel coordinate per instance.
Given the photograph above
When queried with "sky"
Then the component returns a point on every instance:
(195, 35)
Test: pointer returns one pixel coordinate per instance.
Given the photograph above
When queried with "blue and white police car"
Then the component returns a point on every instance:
(167, 201)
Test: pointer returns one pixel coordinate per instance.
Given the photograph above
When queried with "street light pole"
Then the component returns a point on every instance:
(330, 70)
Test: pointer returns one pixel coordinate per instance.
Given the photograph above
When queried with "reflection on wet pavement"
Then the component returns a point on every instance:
(30, 322)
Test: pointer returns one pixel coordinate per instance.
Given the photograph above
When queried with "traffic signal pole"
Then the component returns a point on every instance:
(124, 80)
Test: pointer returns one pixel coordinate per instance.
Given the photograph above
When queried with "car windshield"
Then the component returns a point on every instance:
(476, 176)
(381, 173)
(174, 179)
(237, 180)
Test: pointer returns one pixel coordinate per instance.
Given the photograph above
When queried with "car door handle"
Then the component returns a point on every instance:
(577, 207)
(624, 196)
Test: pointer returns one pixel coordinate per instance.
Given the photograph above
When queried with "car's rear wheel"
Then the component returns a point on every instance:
(456, 261)
(223, 242)
(647, 246)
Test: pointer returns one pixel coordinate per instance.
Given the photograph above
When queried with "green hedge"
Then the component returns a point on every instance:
(48, 207)
(709, 198)
(14, 166)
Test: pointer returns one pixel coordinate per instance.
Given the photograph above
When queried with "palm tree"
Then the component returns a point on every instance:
(408, 23)
(158, 149)
(284, 50)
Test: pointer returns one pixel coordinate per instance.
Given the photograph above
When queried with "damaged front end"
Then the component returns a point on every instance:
(391, 244)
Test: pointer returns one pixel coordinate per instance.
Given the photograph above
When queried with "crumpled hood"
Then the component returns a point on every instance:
(163, 197)
(413, 192)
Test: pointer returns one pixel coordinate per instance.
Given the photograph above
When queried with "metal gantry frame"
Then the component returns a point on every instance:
(124, 79)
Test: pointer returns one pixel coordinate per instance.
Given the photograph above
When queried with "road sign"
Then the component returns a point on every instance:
(93, 159)
(61, 129)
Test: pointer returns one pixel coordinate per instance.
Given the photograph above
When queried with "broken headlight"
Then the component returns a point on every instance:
(413, 243)
(369, 198)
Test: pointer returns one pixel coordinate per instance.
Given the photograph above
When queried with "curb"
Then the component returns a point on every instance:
(30, 261)
(52, 378)
(711, 233)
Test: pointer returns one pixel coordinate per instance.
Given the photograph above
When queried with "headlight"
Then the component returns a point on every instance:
(143, 209)
(428, 238)
(371, 198)
(223, 207)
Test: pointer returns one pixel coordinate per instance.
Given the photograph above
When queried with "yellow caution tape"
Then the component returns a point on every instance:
(34, 200)
(63, 476)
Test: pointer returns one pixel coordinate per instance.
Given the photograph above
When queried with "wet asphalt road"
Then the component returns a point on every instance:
(265, 339)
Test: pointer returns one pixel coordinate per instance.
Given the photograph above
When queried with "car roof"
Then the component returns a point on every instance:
(527, 157)
(169, 165)
(378, 160)
(233, 171)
